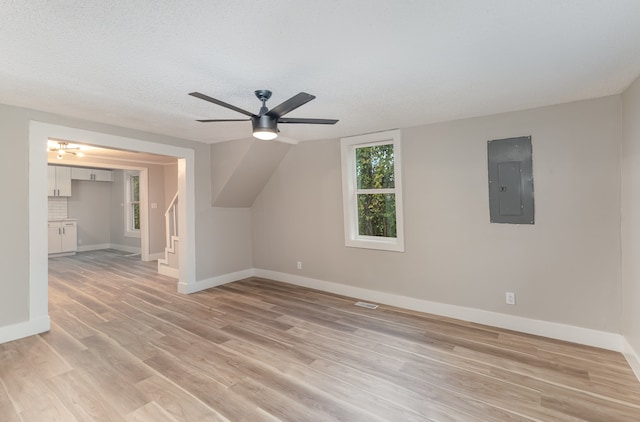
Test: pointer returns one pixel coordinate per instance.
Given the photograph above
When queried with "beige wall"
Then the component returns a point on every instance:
(90, 203)
(213, 228)
(631, 215)
(14, 252)
(565, 268)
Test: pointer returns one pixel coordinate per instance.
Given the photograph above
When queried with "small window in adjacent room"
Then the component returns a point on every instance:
(132, 204)
(372, 191)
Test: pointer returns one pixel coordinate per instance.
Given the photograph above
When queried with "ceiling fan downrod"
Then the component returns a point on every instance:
(263, 95)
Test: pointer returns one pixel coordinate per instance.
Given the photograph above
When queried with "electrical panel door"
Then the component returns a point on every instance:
(511, 180)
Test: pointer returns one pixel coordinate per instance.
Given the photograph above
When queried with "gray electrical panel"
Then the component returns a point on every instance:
(510, 181)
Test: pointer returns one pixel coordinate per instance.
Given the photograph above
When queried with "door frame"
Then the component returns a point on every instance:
(39, 133)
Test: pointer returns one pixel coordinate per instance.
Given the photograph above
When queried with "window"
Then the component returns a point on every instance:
(372, 191)
(132, 201)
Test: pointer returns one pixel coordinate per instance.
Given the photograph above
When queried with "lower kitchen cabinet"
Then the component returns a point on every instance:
(63, 237)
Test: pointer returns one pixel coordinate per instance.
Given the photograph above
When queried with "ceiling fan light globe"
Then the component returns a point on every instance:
(265, 134)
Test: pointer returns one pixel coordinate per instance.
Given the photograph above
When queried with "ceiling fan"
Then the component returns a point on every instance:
(265, 123)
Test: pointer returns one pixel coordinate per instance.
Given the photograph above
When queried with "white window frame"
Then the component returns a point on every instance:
(348, 148)
(129, 231)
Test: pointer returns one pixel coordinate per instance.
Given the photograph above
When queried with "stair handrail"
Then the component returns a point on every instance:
(171, 204)
(171, 220)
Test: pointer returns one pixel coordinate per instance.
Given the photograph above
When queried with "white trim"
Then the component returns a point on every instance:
(168, 271)
(123, 248)
(38, 244)
(352, 238)
(142, 185)
(38, 266)
(553, 330)
(215, 281)
(632, 357)
(24, 329)
(94, 247)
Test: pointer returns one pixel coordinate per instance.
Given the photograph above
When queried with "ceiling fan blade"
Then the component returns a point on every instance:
(290, 105)
(223, 120)
(309, 121)
(220, 103)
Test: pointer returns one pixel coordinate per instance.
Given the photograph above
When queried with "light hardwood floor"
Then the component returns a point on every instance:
(125, 346)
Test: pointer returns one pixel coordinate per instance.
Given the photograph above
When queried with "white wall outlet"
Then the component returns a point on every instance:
(154, 205)
(299, 265)
(510, 298)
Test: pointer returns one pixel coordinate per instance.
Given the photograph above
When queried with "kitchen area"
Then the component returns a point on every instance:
(101, 198)
(63, 225)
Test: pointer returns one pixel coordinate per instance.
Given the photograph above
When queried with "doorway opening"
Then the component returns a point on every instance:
(39, 134)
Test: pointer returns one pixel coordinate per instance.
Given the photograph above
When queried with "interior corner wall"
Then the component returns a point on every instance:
(564, 269)
(631, 215)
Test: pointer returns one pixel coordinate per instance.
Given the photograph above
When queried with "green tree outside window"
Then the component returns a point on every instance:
(375, 172)
(135, 202)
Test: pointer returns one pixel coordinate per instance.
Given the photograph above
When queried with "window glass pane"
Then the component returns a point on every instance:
(374, 167)
(135, 216)
(135, 188)
(377, 215)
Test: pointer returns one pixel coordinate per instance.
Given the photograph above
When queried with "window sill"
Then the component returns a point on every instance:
(384, 244)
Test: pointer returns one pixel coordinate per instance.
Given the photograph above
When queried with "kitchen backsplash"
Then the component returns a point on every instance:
(58, 208)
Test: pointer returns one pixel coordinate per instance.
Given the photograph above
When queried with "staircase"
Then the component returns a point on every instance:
(169, 265)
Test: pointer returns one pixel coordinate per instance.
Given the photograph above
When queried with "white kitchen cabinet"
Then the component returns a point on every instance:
(63, 237)
(96, 175)
(59, 181)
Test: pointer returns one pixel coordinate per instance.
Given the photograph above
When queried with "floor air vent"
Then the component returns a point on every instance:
(367, 305)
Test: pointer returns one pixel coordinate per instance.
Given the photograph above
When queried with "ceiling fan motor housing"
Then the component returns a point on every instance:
(264, 123)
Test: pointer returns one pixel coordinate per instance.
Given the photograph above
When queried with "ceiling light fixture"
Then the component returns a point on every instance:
(63, 148)
(264, 127)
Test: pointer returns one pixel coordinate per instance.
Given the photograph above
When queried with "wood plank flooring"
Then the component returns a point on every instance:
(124, 346)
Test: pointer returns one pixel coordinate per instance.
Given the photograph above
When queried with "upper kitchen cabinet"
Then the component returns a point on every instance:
(59, 181)
(98, 175)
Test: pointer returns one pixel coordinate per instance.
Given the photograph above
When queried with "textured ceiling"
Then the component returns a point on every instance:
(372, 64)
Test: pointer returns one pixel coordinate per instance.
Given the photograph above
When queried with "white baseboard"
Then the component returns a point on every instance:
(98, 246)
(632, 357)
(125, 248)
(24, 329)
(214, 281)
(168, 271)
(553, 330)
(156, 256)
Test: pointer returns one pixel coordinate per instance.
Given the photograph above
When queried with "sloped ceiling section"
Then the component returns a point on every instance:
(241, 168)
